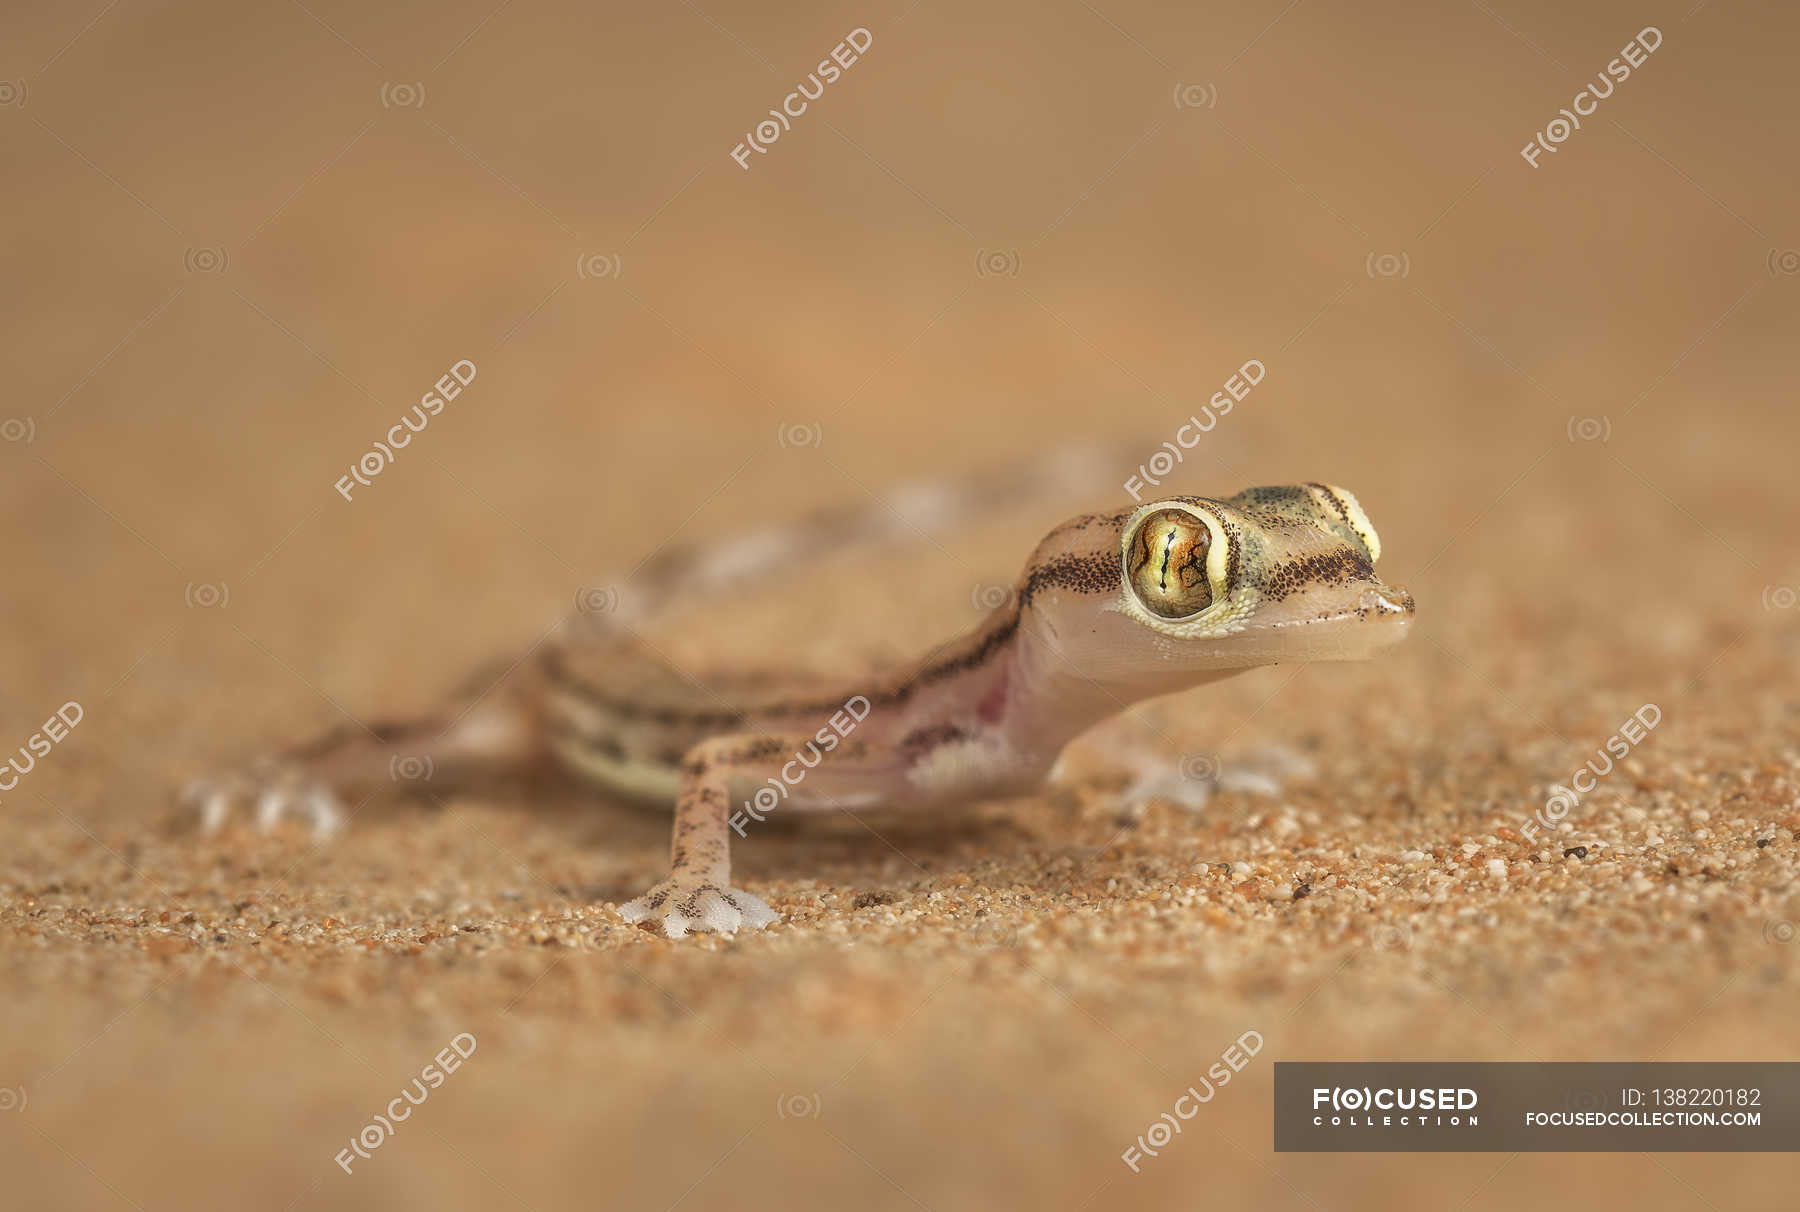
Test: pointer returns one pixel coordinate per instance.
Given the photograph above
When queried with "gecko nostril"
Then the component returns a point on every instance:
(1386, 602)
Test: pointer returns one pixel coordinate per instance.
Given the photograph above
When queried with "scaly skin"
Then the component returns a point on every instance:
(1110, 609)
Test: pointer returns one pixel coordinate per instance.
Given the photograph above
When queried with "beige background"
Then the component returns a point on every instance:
(204, 1023)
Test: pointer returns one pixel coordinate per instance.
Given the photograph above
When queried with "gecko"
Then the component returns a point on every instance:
(1110, 609)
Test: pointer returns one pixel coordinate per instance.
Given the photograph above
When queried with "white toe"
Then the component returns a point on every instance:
(675, 923)
(635, 911)
(718, 914)
(269, 806)
(756, 911)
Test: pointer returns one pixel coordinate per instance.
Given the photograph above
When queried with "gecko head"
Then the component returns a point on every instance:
(1271, 575)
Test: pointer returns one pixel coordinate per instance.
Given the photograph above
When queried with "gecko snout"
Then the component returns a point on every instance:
(1386, 602)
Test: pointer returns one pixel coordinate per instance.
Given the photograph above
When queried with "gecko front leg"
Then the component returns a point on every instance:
(697, 895)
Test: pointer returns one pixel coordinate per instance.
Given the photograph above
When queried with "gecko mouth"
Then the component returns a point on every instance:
(1348, 623)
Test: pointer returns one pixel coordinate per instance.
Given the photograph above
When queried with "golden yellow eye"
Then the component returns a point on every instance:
(1166, 565)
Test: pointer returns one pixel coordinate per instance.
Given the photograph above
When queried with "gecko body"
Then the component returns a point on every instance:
(1110, 609)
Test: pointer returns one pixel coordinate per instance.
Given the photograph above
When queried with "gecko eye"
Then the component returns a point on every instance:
(1166, 563)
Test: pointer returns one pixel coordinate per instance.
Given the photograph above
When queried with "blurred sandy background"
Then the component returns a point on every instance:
(242, 239)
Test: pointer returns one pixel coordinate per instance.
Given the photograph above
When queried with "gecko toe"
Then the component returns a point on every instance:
(681, 907)
(719, 913)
